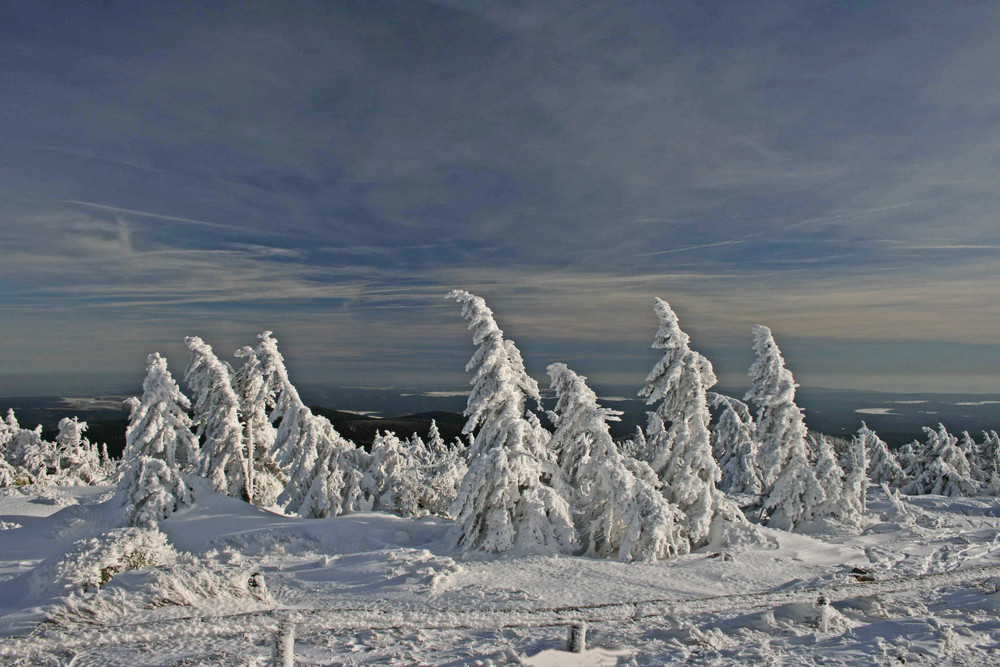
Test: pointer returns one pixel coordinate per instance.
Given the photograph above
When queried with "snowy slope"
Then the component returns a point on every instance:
(377, 589)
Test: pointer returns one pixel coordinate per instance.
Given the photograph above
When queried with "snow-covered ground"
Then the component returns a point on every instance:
(375, 589)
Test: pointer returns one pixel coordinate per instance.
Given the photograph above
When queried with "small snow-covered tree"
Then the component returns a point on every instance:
(970, 450)
(151, 490)
(855, 493)
(394, 476)
(988, 457)
(443, 475)
(159, 426)
(882, 465)
(620, 515)
(217, 414)
(512, 496)
(435, 443)
(318, 452)
(634, 447)
(734, 447)
(79, 462)
(337, 484)
(791, 491)
(830, 477)
(945, 471)
(681, 453)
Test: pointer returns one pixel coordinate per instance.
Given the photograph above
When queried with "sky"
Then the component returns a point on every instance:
(330, 170)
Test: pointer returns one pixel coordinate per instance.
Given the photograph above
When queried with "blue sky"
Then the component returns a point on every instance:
(330, 170)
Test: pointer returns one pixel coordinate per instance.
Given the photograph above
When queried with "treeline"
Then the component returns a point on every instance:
(513, 483)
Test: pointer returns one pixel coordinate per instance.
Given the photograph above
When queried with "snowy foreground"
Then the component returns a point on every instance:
(372, 588)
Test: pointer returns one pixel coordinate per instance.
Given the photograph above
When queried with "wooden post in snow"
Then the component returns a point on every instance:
(283, 654)
(576, 642)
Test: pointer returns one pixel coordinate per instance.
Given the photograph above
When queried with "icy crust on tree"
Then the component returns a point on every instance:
(618, 514)
(945, 470)
(681, 453)
(735, 447)
(507, 500)
(159, 426)
(150, 490)
(792, 493)
(217, 410)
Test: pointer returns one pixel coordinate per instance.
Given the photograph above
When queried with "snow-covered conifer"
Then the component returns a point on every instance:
(791, 491)
(435, 444)
(681, 454)
(634, 447)
(216, 410)
(262, 384)
(151, 490)
(79, 462)
(830, 477)
(882, 464)
(734, 446)
(988, 457)
(945, 470)
(315, 447)
(507, 499)
(620, 515)
(855, 493)
(337, 484)
(443, 478)
(159, 425)
(395, 476)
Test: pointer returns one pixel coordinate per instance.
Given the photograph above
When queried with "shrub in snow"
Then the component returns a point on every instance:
(791, 492)
(216, 410)
(92, 563)
(681, 454)
(734, 447)
(150, 491)
(945, 470)
(882, 465)
(159, 426)
(619, 514)
(512, 495)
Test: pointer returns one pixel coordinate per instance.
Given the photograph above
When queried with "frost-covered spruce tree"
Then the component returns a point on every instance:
(634, 447)
(394, 477)
(512, 496)
(151, 490)
(830, 477)
(159, 426)
(620, 515)
(791, 492)
(435, 443)
(261, 384)
(882, 465)
(681, 453)
(946, 471)
(970, 449)
(734, 446)
(988, 456)
(443, 475)
(316, 447)
(855, 493)
(79, 462)
(337, 484)
(217, 414)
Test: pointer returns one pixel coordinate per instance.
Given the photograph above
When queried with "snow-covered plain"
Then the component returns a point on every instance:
(376, 589)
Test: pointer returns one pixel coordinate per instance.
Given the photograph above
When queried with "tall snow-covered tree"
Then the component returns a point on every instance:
(620, 515)
(681, 453)
(882, 465)
(217, 414)
(159, 426)
(261, 384)
(792, 493)
(512, 496)
(735, 447)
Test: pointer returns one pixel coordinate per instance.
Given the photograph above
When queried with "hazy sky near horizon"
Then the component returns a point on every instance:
(330, 170)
